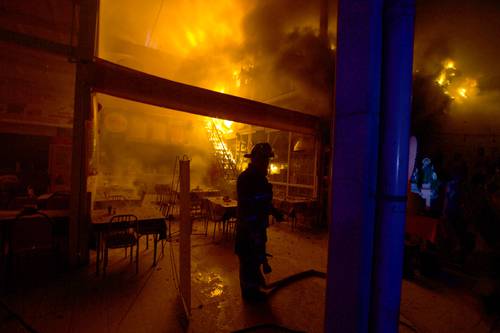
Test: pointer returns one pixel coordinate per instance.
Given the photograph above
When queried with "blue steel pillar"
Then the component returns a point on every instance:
(355, 150)
(399, 16)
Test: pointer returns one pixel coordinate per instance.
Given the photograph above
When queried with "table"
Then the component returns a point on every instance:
(229, 206)
(120, 203)
(60, 220)
(10, 215)
(60, 223)
(149, 221)
(205, 192)
(294, 205)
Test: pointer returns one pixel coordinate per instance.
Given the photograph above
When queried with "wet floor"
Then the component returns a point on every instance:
(148, 302)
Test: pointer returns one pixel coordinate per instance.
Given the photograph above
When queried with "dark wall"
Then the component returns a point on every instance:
(27, 157)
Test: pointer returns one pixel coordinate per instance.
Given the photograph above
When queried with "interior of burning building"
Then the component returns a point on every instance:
(101, 101)
(137, 146)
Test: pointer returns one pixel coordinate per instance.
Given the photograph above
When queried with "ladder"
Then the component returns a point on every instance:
(225, 160)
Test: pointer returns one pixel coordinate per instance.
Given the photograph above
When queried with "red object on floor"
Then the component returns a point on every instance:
(423, 226)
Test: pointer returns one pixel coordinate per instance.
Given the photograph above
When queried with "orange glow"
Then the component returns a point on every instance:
(274, 169)
(446, 73)
(163, 37)
(449, 64)
(457, 87)
(441, 79)
(466, 89)
(462, 92)
(217, 129)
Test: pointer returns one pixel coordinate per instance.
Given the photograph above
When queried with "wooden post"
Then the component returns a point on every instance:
(289, 160)
(185, 236)
(79, 222)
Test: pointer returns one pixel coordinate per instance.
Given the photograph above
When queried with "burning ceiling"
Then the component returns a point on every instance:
(457, 77)
(460, 88)
(264, 50)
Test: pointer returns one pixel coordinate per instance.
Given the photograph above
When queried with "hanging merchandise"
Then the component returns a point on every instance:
(424, 181)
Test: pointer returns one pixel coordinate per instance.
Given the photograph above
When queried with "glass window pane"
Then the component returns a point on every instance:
(135, 149)
(302, 157)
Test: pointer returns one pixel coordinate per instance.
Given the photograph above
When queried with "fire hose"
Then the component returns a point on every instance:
(271, 288)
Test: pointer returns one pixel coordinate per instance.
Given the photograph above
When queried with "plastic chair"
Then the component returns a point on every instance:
(122, 233)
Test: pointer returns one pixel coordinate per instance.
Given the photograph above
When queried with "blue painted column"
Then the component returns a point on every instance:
(399, 16)
(355, 150)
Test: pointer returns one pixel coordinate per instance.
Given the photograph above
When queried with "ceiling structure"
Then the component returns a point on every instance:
(37, 80)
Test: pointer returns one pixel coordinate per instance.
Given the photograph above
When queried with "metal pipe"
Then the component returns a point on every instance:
(398, 30)
(355, 147)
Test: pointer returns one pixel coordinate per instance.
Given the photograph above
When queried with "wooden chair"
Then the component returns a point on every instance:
(122, 233)
(30, 240)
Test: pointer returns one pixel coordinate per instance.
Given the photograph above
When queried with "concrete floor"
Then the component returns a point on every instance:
(148, 302)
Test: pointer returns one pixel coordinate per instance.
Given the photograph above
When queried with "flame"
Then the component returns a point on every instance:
(441, 79)
(274, 169)
(449, 64)
(217, 129)
(466, 89)
(446, 73)
(458, 88)
(462, 92)
(183, 32)
(224, 127)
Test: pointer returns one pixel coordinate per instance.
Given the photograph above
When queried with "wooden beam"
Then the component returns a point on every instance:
(36, 42)
(80, 208)
(17, 127)
(130, 84)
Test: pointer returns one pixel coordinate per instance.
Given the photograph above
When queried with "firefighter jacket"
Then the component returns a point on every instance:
(255, 196)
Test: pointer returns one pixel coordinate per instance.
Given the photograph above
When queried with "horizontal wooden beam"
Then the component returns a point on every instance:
(27, 128)
(36, 43)
(130, 84)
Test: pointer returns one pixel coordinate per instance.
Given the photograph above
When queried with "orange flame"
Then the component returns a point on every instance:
(459, 89)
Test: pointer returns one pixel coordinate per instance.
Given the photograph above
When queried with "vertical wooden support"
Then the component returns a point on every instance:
(185, 236)
(79, 223)
(289, 159)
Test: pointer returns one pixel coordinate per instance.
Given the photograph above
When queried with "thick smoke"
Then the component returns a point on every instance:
(283, 38)
(266, 50)
(138, 145)
(467, 32)
(273, 46)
